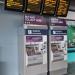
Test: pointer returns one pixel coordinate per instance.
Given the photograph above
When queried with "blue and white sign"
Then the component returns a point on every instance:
(59, 32)
(36, 31)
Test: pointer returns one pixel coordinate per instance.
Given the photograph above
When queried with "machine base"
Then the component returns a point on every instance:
(59, 72)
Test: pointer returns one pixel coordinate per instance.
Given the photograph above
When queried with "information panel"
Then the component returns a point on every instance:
(33, 6)
(14, 5)
(62, 8)
(49, 7)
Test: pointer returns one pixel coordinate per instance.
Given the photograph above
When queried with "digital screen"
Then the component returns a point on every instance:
(33, 6)
(49, 7)
(14, 4)
(62, 8)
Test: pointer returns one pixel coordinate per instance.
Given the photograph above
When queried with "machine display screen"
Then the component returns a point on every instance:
(49, 7)
(33, 6)
(14, 4)
(62, 8)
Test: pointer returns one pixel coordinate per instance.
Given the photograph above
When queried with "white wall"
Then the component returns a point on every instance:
(9, 23)
(70, 15)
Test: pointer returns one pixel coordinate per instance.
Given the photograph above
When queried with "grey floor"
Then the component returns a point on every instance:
(71, 69)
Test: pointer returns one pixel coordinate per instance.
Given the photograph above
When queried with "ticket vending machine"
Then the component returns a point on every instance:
(58, 46)
(33, 50)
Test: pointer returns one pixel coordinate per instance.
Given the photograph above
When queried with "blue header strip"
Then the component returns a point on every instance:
(36, 31)
(58, 32)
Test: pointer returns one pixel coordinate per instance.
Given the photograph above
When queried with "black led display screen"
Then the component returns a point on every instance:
(33, 6)
(49, 7)
(62, 7)
(14, 5)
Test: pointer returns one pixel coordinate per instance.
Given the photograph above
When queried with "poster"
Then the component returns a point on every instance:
(71, 36)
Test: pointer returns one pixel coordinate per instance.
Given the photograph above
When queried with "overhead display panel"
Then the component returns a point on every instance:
(62, 8)
(14, 5)
(33, 6)
(49, 7)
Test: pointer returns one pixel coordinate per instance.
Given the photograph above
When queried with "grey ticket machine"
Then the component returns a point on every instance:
(58, 46)
(33, 50)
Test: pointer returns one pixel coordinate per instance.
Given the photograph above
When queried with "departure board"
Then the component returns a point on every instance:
(14, 5)
(62, 9)
(49, 7)
(33, 6)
